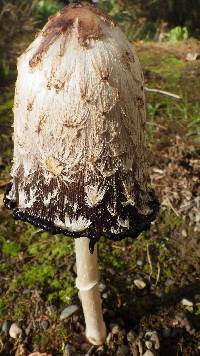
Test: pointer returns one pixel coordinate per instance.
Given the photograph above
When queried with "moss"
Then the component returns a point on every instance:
(2, 305)
(21, 310)
(45, 254)
(5, 107)
(38, 274)
(34, 275)
(67, 294)
(197, 309)
(111, 260)
(50, 249)
(58, 339)
(163, 63)
(4, 267)
(62, 289)
(9, 248)
(163, 70)
(170, 68)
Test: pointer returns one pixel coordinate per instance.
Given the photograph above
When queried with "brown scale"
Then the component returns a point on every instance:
(126, 59)
(88, 27)
(29, 106)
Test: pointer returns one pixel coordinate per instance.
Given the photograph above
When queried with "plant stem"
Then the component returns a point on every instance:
(87, 283)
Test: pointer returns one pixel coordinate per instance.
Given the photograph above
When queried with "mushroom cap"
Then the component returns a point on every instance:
(80, 163)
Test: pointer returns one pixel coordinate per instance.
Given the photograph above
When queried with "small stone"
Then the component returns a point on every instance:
(166, 332)
(192, 56)
(131, 336)
(152, 336)
(6, 326)
(139, 263)
(149, 344)
(187, 304)
(190, 309)
(69, 350)
(44, 324)
(148, 353)
(140, 284)
(105, 295)
(122, 350)
(184, 233)
(67, 312)
(102, 287)
(155, 339)
(15, 331)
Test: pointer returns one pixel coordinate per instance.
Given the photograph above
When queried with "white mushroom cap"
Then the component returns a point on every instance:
(79, 115)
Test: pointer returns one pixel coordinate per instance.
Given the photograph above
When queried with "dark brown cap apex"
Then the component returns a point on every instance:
(85, 17)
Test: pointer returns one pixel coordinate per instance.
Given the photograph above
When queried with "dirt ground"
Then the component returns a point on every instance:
(37, 269)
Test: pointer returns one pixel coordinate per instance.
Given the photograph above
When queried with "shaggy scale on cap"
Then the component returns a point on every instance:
(79, 114)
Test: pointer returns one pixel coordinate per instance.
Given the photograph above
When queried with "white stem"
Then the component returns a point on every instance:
(163, 92)
(87, 283)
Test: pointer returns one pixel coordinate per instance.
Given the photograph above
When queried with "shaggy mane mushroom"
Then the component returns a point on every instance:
(80, 165)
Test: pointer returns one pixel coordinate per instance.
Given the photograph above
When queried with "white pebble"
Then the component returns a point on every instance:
(140, 284)
(186, 302)
(149, 344)
(69, 311)
(15, 331)
(102, 287)
(152, 336)
(139, 263)
(148, 353)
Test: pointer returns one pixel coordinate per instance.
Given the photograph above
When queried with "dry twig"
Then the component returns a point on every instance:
(163, 92)
(158, 273)
(149, 260)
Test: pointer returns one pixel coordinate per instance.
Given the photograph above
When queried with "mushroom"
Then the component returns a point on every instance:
(80, 164)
